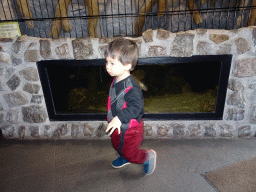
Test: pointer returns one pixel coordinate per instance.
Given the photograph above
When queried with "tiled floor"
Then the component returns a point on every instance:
(86, 165)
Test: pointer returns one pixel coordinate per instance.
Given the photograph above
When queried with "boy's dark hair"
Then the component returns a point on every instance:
(124, 50)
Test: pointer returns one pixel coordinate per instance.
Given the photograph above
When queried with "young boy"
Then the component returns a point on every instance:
(125, 107)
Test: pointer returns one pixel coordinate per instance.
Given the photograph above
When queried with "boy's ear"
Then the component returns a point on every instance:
(128, 67)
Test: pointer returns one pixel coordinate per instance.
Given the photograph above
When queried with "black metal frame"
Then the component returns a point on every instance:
(221, 93)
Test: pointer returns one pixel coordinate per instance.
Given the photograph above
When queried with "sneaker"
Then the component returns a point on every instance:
(150, 163)
(120, 162)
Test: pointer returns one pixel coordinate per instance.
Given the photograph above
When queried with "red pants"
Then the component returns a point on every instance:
(128, 144)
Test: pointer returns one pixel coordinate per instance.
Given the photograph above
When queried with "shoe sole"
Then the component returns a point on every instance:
(117, 167)
(154, 163)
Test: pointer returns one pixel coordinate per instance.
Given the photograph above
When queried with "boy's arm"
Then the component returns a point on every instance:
(135, 103)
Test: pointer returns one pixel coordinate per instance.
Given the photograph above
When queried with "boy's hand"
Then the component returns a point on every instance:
(113, 125)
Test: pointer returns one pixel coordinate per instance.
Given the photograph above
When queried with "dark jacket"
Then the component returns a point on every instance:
(126, 102)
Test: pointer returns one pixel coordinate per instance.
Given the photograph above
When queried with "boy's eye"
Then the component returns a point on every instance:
(110, 63)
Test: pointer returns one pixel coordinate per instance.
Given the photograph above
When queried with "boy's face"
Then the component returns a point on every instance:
(115, 68)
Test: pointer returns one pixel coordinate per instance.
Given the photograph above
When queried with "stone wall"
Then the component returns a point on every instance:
(23, 113)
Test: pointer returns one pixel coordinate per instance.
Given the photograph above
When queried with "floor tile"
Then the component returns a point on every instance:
(25, 158)
(36, 182)
(69, 152)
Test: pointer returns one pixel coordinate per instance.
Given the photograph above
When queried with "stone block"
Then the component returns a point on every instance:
(235, 85)
(155, 51)
(60, 131)
(47, 131)
(63, 52)
(21, 132)
(242, 45)
(81, 49)
(74, 130)
(45, 48)
(252, 86)
(16, 99)
(244, 131)
(183, 45)
(245, 68)
(102, 50)
(32, 56)
(4, 129)
(148, 35)
(237, 99)
(162, 34)
(196, 130)
(36, 99)
(253, 97)
(31, 88)
(1, 85)
(30, 74)
(203, 48)
(7, 131)
(16, 61)
(20, 44)
(253, 114)
(14, 82)
(219, 38)
(210, 131)
(226, 130)
(5, 58)
(32, 45)
(10, 133)
(34, 114)
(162, 131)
(34, 131)
(235, 114)
(2, 117)
(9, 72)
(254, 36)
(2, 71)
(100, 132)
(13, 116)
(1, 107)
(87, 130)
(148, 130)
(178, 129)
